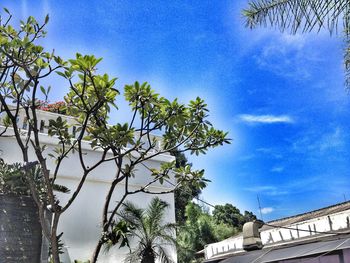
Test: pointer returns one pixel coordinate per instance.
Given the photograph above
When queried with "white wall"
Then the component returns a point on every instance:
(81, 222)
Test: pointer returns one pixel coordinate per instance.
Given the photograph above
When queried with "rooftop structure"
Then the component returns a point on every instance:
(310, 234)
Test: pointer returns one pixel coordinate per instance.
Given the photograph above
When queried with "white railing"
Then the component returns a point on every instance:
(44, 118)
(286, 233)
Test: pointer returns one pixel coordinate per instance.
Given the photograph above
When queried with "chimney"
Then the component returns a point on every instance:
(251, 235)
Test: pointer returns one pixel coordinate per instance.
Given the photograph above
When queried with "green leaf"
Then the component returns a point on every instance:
(61, 74)
(7, 11)
(47, 19)
(43, 90)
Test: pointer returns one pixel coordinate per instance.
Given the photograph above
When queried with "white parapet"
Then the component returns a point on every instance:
(310, 225)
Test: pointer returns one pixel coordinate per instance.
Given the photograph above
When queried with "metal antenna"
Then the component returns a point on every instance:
(344, 197)
(261, 217)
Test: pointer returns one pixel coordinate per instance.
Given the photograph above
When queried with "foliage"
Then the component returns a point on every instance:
(12, 180)
(202, 228)
(24, 64)
(184, 194)
(249, 216)
(230, 215)
(150, 231)
(199, 230)
(119, 233)
(304, 16)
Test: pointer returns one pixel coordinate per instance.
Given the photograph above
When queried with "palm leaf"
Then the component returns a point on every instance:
(163, 256)
(149, 230)
(304, 15)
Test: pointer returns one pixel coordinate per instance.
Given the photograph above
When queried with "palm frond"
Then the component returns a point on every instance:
(132, 214)
(61, 188)
(155, 214)
(302, 15)
(347, 45)
(149, 230)
(134, 256)
(163, 256)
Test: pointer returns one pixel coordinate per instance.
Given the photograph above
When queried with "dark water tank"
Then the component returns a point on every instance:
(20, 230)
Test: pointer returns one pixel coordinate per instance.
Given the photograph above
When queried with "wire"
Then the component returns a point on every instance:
(262, 255)
(205, 202)
(319, 256)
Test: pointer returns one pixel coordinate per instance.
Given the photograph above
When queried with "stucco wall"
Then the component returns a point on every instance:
(81, 222)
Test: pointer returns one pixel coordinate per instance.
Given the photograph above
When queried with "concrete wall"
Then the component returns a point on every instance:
(81, 222)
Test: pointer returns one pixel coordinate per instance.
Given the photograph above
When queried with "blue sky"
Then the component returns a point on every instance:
(281, 97)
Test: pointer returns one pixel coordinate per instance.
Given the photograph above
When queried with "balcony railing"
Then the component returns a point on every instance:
(43, 125)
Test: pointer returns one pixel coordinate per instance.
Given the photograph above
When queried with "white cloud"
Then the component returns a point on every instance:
(267, 210)
(261, 188)
(247, 157)
(332, 140)
(277, 169)
(316, 143)
(267, 190)
(265, 118)
(289, 56)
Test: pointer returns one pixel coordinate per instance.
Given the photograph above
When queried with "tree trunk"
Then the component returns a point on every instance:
(54, 240)
(96, 252)
(148, 256)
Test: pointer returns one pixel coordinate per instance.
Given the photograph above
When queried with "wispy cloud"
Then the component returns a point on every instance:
(266, 119)
(247, 157)
(274, 153)
(288, 56)
(316, 143)
(267, 210)
(268, 190)
(277, 169)
(332, 140)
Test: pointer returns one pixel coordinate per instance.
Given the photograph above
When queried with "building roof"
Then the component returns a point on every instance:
(316, 248)
(332, 223)
(308, 215)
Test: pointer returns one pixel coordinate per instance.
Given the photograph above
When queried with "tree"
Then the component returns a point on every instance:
(304, 16)
(230, 215)
(188, 190)
(249, 216)
(152, 234)
(24, 65)
(199, 230)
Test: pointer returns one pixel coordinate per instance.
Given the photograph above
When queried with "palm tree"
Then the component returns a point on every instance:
(303, 16)
(151, 232)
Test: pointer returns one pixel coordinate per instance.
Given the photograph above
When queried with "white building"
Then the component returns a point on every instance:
(320, 236)
(81, 222)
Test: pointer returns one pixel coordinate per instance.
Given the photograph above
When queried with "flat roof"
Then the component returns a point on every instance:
(324, 245)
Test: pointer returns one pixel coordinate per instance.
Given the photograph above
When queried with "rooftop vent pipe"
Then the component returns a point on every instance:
(251, 235)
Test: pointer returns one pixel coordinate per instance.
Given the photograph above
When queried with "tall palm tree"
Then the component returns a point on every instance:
(303, 16)
(151, 232)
